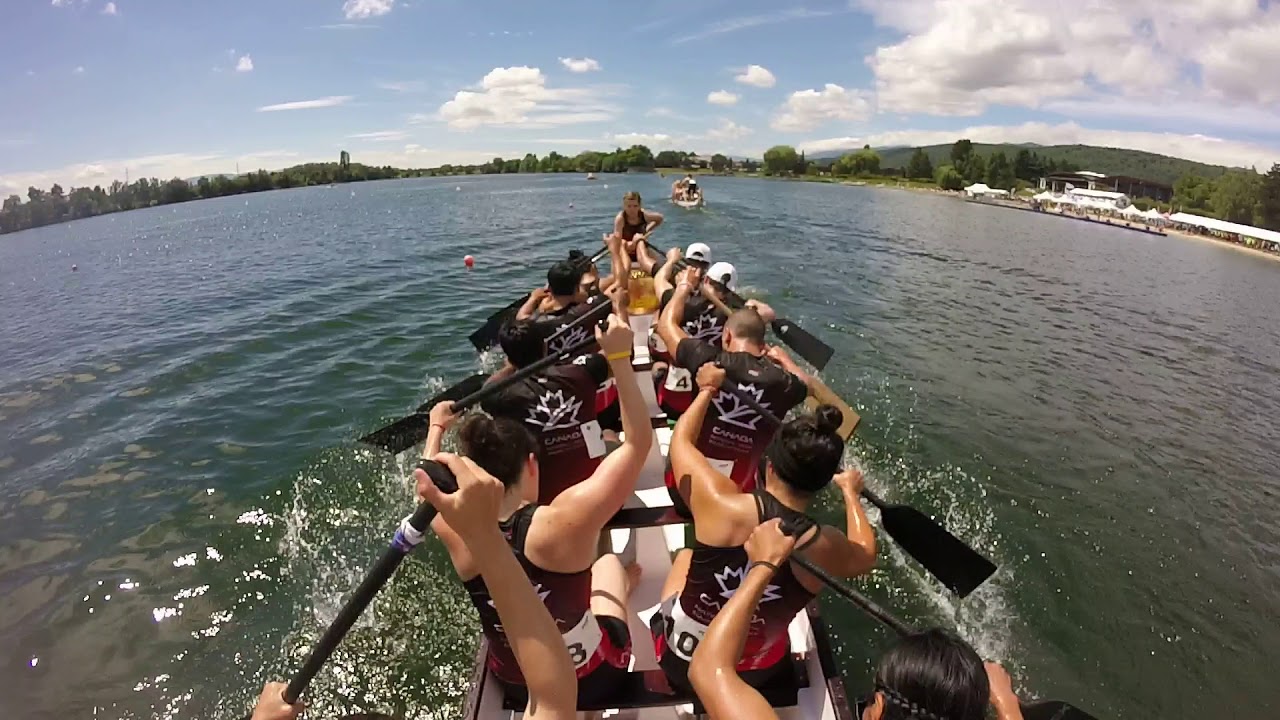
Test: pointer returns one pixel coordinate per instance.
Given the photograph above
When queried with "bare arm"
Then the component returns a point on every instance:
(714, 298)
(655, 219)
(531, 304)
(618, 224)
(662, 281)
(780, 356)
(591, 503)
(707, 487)
(853, 553)
(669, 322)
(713, 671)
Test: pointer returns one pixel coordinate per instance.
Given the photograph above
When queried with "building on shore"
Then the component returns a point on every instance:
(1122, 184)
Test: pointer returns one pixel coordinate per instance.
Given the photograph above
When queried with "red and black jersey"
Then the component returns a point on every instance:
(734, 436)
(559, 407)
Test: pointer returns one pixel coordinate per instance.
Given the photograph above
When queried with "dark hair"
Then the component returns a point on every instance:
(499, 445)
(806, 452)
(747, 325)
(933, 675)
(564, 276)
(523, 342)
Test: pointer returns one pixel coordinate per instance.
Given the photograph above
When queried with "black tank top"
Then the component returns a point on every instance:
(566, 595)
(714, 575)
(629, 230)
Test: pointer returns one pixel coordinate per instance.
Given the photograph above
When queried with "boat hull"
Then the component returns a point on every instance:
(647, 531)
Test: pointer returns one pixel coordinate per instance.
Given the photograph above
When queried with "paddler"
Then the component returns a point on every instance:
(556, 542)
(558, 406)
(735, 436)
(802, 459)
(564, 291)
(929, 674)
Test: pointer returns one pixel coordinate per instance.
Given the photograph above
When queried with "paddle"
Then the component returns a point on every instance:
(411, 430)
(486, 336)
(1040, 710)
(410, 534)
(958, 566)
(806, 344)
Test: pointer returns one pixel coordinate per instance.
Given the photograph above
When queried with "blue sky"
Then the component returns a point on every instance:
(181, 88)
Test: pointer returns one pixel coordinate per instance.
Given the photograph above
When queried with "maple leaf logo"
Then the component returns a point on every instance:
(567, 340)
(706, 326)
(554, 411)
(737, 574)
(735, 411)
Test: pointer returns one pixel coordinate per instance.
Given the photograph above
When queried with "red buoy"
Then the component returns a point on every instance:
(469, 261)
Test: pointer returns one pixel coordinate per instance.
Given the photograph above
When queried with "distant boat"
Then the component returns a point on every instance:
(591, 176)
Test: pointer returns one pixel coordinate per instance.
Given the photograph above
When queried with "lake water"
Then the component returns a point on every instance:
(182, 505)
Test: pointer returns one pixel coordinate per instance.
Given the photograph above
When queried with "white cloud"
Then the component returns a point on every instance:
(959, 57)
(807, 109)
(245, 64)
(660, 111)
(61, 3)
(519, 96)
(749, 21)
(1201, 148)
(722, 97)
(79, 70)
(349, 26)
(756, 76)
(362, 9)
(325, 102)
(408, 86)
(654, 141)
(728, 131)
(110, 9)
(381, 136)
(580, 65)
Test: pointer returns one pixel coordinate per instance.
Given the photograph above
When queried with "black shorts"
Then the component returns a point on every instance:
(676, 668)
(602, 683)
(610, 418)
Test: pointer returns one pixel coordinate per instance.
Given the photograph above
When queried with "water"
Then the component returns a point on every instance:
(182, 507)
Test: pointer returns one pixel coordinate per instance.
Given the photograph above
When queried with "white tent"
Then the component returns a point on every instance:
(1223, 226)
(1153, 214)
(1132, 211)
(1044, 196)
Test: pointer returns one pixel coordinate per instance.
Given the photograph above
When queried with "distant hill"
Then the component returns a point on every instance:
(1110, 161)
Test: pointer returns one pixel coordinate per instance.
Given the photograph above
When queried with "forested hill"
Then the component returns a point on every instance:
(1106, 160)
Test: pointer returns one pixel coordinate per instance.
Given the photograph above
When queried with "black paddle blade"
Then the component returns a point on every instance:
(409, 431)
(1054, 710)
(486, 336)
(945, 556)
(806, 345)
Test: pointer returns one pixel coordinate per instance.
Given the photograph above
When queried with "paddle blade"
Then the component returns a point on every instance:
(409, 431)
(486, 336)
(806, 345)
(945, 556)
(1053, 710)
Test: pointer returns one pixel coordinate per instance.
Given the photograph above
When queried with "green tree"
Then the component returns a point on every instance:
(1000, 172)
(780, 160)
(948, 178)
(720, 163)
(1236, 196)
(1192, 193)
(588, 161)
(529, 164)
(960, 152)
(511, 166)
(974, 169)
(920, 166)
(668, 159)
(1269, 200)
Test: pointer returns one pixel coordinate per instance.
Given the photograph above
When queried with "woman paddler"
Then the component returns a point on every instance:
(801, 460)
(633, 225)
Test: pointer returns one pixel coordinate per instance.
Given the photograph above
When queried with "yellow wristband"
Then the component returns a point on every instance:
(626, 355)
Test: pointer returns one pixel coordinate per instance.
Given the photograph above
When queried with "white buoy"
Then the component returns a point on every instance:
(458, 188)
(606, 187)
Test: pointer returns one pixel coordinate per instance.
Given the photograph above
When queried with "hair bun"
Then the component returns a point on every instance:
(828, 418)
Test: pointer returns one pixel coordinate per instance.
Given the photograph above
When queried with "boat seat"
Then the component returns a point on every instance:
(649, 688)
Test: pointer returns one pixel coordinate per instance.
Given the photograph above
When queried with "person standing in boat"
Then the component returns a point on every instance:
(801, 460)
(929, 674)
(736, 435)
(557, 542)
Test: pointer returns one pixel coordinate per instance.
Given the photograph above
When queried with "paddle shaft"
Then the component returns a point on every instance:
(524, 372)
(853, 596)
(354, 607)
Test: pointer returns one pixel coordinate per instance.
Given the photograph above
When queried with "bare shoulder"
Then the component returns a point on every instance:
(555, 545)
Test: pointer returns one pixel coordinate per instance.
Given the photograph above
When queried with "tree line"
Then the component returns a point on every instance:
(55, 205)
(1239, 196)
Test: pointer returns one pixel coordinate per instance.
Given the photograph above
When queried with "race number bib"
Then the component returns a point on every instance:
(594, 438)
(679, 380)
(685, 633)
(583, 640)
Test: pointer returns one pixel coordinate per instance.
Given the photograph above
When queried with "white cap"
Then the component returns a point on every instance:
(693, 181)
(698, 251)
(725, 274)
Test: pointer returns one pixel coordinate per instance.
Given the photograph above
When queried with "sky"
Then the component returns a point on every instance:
(169, 88)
